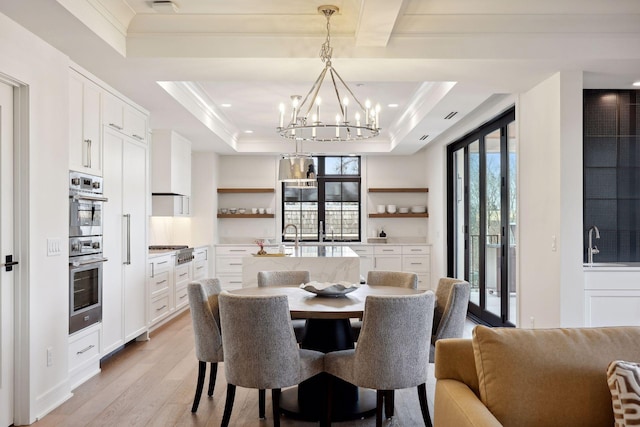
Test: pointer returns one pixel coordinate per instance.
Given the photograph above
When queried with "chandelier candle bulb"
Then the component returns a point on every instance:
(345, 101)
(367, 105)
(358, 132)
(377, 126)
(317, 119)
(281, 115)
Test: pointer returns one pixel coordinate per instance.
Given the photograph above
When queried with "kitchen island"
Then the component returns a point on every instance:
(324, 264)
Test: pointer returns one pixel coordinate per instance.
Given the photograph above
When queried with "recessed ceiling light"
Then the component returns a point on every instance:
(636, 83)
(392, 105)
(225, 105)
(248, 131)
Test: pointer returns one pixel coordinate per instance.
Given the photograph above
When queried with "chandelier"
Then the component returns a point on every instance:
(306, 123)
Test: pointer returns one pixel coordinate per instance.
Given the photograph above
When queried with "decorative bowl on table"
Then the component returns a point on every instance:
(330, 289)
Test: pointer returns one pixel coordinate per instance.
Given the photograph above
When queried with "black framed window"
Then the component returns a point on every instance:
(330, 211)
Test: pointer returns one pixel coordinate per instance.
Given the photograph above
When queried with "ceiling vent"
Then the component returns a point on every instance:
(450, 115)
(423, 137)
(164, 6)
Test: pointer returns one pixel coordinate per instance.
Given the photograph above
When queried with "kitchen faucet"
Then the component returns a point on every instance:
(295, 227)
(592, 250)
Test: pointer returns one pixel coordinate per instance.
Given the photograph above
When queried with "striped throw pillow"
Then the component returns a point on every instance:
(623, 379)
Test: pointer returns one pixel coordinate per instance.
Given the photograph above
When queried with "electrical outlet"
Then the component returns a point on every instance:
(533, 322)
(49, 356)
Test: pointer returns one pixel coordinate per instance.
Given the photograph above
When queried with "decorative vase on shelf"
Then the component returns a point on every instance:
(382, 233)
(262, 252)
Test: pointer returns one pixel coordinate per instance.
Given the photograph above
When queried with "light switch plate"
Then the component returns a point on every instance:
(54, 247)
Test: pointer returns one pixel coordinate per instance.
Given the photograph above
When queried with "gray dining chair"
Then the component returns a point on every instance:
(286, 278)
(392, 353)
(261, 349)
(401, 279)
(450, 313)
(205, 315)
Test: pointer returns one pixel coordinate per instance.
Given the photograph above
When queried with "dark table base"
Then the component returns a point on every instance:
(308, 401)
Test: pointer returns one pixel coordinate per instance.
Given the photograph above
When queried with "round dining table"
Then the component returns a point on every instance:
(328, 328)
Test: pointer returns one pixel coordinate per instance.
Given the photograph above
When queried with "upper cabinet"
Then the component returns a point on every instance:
(124, 118)
(85, 149)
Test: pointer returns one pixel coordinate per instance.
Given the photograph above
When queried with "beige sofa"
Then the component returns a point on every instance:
(520, 378)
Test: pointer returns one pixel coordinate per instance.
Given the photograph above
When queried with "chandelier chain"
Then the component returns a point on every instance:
(326, 50)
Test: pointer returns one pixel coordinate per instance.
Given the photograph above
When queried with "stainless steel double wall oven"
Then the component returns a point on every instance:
(85, 250)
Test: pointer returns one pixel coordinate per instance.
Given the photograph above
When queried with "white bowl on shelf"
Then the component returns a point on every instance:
(391, 209)
(403, 210)
(418, 209)
(380, 209)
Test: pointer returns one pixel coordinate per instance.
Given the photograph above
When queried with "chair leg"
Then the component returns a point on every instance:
(379, 404)
(389, 404)
(228, 406)
(422, 397)
(261, 400)
(212, 378)
(275, 403)
(202, 369)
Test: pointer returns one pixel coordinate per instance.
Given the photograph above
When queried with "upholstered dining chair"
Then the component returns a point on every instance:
(205, 315)
(286, 278)
(450, 313)
(401, 279)
(260, 348)
(393, 350)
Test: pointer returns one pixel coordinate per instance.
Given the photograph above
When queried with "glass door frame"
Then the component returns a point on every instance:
(479, 312)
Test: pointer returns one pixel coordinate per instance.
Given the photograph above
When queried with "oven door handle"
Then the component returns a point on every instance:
(88, 261)
(87, 197)
(127, 249)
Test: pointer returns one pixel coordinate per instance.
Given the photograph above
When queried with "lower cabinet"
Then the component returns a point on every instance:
(183, 278)
(229, 265)
(411, 258)
(84, 354)
(160, 284)
(200, 264)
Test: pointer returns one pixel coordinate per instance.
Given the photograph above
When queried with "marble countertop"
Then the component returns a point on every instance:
(317, 251)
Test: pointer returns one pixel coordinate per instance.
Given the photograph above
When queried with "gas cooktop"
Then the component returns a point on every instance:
(167, 247)
(184, 253)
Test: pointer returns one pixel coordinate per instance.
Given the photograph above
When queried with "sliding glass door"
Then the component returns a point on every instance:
(481, 218)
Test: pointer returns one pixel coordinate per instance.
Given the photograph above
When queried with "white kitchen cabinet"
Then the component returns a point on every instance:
(365, 253)
(229, 265)
(170, 163)
(160, 279)
(200, 263)
(84, 354)
(387, 258)
(85, 131)
(182, 279)
(171, 205)
(417, 259)
(124, 118)
(124, 239)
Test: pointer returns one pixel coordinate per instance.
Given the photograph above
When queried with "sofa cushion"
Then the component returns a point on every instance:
(624, 383)
(550, 377)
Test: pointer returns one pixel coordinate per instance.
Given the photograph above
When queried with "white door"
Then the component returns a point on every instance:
(6, 248)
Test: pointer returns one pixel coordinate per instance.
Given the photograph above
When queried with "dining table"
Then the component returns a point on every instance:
(327, 328)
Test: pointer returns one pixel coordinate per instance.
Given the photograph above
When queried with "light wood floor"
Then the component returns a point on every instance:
(152, 383)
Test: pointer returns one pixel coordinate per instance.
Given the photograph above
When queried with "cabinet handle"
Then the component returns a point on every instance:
(235, 263)
(182, 297)
(198, 268)
(113, 125)
(138, 137)
(84, 350)
(163, 262)
(161, 308)
(237, 250)
(161, 282)
(416, 250)
(183, 274)
(87, 164)
(235, 281)
(415, 263)
(387, 250)
(128, 239)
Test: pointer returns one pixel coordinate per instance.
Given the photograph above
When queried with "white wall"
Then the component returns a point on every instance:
(45, 307)
(550, 183)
